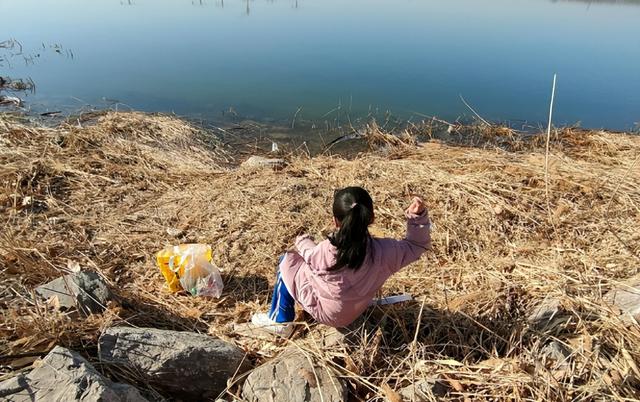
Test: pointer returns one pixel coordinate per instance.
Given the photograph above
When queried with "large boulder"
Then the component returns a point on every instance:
(83, 290)
(291, 377)
(64, 375)
(190, 366)
(626, 297)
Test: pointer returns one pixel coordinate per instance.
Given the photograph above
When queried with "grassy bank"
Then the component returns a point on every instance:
(511, 231)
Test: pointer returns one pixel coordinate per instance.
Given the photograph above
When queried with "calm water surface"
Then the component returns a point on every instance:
(270, 59)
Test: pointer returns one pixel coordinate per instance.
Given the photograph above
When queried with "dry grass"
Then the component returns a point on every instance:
(104, 195)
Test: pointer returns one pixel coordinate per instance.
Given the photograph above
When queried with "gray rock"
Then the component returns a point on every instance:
(423, 390)
(185, 364)
(84, 290)
(543, 313)
(262, 162)
(352, 336)
(329, 337)
(291, 377)
(555, 355)
(64, 375)
(627, 297)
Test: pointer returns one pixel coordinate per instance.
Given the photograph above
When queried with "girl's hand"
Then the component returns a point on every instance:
(417, 206)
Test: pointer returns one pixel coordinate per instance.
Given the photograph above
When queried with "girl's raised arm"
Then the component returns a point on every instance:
(400, 253)
(305, 246)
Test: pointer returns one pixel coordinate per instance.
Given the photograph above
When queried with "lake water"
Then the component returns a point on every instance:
(314, 59)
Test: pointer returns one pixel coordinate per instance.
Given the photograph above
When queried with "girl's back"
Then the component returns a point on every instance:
(337, 297)
(335, 280)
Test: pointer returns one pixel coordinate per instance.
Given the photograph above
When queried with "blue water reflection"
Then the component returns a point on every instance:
(267, 59)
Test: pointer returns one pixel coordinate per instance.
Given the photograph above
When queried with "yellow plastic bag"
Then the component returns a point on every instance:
(189, 267)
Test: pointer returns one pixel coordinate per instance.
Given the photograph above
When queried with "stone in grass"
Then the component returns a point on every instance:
(543, 314)
(83, 290)
(423, 390)
(352, 336)
(627, 297)
(329, 337)
(64, 375)
(262, 162)
(187, 365)
(291, 377)
(556, 355)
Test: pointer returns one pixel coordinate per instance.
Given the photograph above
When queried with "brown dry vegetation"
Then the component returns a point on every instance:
(506, 237)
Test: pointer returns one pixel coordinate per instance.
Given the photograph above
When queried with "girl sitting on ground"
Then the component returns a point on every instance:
(335, 280)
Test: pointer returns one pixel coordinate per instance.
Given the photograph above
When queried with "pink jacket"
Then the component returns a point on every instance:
(337, 298)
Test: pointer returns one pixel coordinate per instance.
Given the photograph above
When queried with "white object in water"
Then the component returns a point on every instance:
(274, 146)
(10, 100)
(391, 300)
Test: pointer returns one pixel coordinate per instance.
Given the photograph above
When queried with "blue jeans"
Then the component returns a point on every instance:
(282, 303)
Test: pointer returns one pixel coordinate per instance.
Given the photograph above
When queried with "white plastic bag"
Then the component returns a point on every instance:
(201, 278)
(190, 265)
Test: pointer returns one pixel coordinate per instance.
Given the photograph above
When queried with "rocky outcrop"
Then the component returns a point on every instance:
(187, 365)
(292, 377)
(85, 291)
(64, 375)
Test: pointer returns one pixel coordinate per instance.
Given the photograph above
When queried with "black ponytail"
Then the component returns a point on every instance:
(353, 209)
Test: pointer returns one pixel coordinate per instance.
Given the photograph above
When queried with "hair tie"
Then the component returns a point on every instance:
(354, 205)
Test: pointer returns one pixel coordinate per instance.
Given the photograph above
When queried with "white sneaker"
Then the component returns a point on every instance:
(262, 321)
